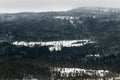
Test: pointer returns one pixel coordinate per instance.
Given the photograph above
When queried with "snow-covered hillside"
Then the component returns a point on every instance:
(55, 45)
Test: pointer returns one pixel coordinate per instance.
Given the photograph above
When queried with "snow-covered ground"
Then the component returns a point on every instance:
(55, 45)
(79, 73)
(66, 17)
(66, 72)
(69, 18)
(93, 55)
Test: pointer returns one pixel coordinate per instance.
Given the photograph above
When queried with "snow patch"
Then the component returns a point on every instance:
(55, 45)
(66, 72)
(93, 55)
(66, 17)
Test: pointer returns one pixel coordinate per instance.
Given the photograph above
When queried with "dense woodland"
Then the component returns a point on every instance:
(43, 26)
(19, 61)
(15, 61)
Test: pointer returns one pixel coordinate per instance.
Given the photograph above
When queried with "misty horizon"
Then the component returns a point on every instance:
(53, 10)
(53, 5)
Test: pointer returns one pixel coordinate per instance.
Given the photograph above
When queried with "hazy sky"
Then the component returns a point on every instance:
(52, 5)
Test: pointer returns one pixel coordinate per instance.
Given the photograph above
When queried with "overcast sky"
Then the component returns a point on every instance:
(52, 5)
